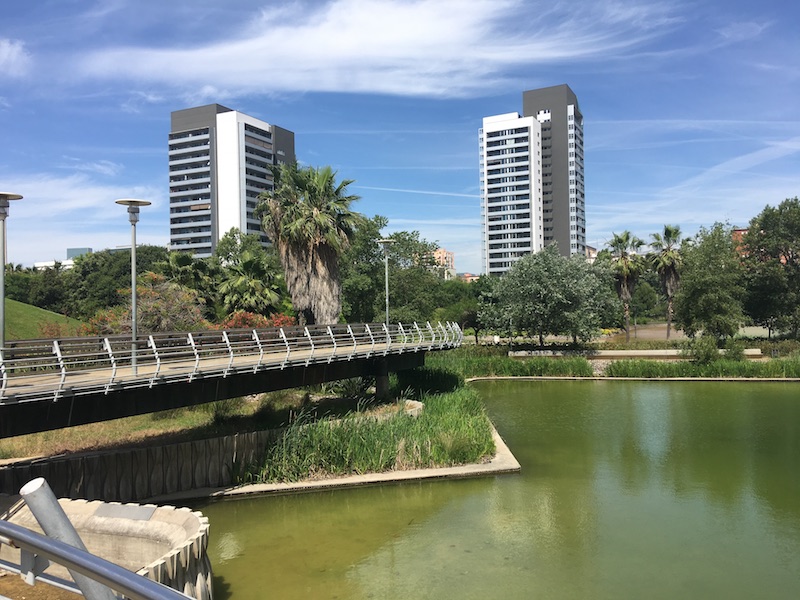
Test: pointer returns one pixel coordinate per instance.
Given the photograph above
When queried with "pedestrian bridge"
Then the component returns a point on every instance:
(50, 384)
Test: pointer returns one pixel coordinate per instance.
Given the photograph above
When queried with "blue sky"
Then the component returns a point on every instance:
(690, 108)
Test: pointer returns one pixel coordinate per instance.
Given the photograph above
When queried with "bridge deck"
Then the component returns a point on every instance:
(46, 372)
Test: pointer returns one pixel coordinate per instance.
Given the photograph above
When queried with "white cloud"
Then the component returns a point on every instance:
(14, 58)
(101, 167)
(427, 47)
(75, 211)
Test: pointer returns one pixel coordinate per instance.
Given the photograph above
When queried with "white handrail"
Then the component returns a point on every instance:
(36, 370)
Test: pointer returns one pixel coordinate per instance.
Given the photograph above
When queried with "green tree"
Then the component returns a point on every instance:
(628, 266)
(308, 218)
(667, 260)
(772, 257)
(98, 280)
(362, 273)
(548, 294)
(710, 296)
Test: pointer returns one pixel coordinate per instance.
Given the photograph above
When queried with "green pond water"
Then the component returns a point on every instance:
(627, 490)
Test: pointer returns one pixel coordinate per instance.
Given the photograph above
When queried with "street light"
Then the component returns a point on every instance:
(4, 199)
(385, 243)
(133, 216)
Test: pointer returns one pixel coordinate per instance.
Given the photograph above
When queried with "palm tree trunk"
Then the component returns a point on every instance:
(627, 311)
(670, 310)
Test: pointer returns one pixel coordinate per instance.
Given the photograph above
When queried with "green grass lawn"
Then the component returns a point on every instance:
(26, 322)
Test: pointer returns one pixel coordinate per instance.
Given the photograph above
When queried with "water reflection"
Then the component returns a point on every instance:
(655, 490)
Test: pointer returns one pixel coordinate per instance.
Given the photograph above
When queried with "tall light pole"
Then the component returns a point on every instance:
(133, 216)
(4, 199)
(385, 243)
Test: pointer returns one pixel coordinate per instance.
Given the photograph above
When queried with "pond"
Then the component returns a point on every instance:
(628, 489)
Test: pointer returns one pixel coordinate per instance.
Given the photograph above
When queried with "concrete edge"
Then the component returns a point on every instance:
(502, 462)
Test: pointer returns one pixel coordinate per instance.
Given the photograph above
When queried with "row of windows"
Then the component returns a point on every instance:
(507, 132)
(501, 151)
(188, 134)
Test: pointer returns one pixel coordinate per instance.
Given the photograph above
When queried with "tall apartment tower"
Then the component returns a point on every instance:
(219, 163)
(532, 181)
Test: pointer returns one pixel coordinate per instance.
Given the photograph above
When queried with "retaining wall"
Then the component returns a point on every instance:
(141, 473)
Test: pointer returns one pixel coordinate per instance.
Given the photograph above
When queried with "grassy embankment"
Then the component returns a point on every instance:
(25, 322)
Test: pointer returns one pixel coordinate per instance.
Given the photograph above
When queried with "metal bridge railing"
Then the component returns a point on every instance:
(36, 370)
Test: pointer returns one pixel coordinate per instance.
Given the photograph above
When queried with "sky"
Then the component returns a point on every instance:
(690, 108)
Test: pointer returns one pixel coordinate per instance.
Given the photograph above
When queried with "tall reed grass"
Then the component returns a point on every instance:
(452, 429)
(474, 362)
(781, 368)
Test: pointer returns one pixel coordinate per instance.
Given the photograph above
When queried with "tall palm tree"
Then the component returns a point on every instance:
(628, 265)
(667, 260)
(307, 216)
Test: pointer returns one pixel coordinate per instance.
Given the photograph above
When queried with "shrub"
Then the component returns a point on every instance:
(703, 350)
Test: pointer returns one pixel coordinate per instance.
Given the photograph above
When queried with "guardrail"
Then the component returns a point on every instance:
(36, 548)
(36, 370)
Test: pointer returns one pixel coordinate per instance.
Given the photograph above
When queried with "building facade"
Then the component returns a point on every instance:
(219, 162)
(532, 179)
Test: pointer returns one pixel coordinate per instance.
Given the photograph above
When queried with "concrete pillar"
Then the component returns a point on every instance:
(382, 379)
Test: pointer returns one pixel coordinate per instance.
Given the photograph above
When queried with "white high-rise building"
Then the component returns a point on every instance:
(219, 162)
(547, 166)
(511, 190)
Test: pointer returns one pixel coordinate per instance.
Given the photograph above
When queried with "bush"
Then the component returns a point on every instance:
(702, 350)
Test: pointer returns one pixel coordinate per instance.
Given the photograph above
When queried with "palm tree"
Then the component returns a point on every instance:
(667, 260)
(628, 265)
(249, 285)
(307, 216)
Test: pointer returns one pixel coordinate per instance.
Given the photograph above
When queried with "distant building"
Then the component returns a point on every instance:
(219, 162)
(445, 263)
(72, 253)
(76, 252)
(468, 277)
(532, 180)
(591, 254)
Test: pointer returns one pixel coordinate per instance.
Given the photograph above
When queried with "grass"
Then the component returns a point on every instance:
(25, 322)
(452, 429)
(780, 368)
(493, 361)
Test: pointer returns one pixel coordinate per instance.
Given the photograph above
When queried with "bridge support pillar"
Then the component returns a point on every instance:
(382, 380)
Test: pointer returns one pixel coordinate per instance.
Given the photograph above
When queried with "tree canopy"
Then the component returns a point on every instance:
(710, 297)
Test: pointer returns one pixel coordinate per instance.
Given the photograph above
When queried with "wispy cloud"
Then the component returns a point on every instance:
(101, 167)
(15, 60)
(428, 47)
(424, 192)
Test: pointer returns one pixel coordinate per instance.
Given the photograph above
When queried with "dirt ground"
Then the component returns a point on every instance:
(656, 331)
(12, 586)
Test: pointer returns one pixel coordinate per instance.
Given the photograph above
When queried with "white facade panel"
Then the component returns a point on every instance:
(511, 190)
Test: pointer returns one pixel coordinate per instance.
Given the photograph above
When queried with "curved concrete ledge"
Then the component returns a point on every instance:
(163, 543)
(502, 462)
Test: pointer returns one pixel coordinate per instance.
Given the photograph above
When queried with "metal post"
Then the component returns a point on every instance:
(4, 199)
(55, 524)
(133, 216)
(133, 291)
(385, 243)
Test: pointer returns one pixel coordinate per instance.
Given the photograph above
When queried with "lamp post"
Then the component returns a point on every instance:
(385, 243)
(133, 216)
(5, 197)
